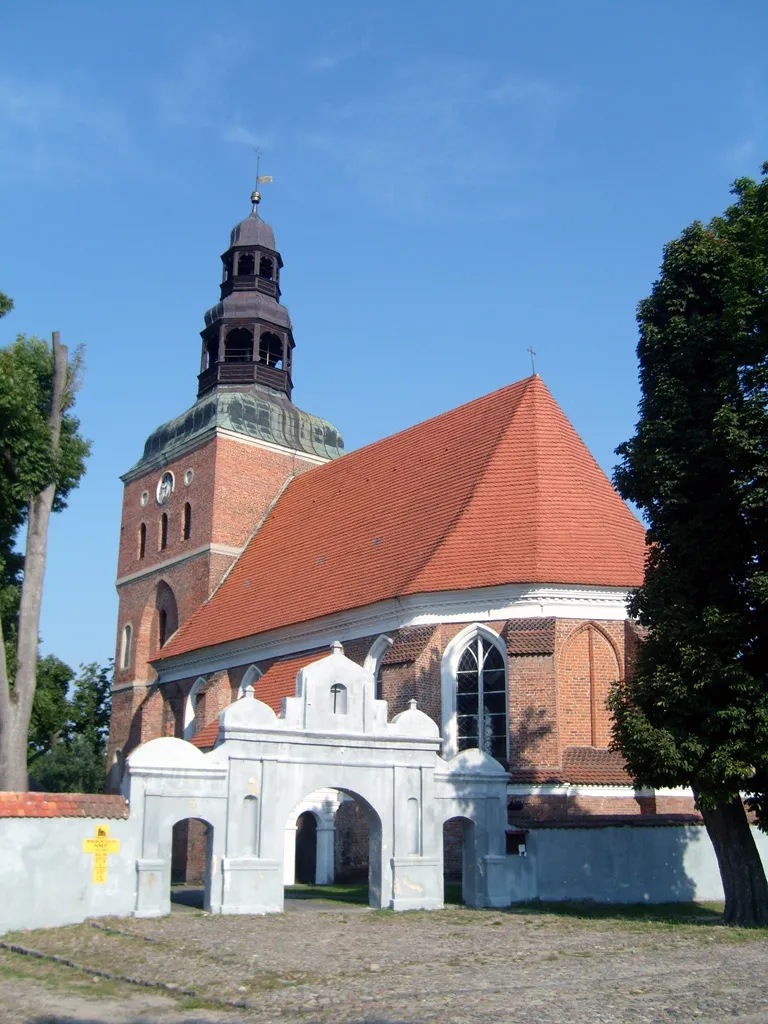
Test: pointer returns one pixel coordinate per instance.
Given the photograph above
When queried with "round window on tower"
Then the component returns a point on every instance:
(144, 498)
(188, 474)
(164, 488)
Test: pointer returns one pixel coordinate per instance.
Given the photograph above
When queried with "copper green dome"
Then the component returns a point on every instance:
(260, 414)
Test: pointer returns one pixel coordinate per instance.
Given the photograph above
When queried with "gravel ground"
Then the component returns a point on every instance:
(341, 963)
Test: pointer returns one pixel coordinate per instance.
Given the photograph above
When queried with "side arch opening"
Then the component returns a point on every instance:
(459, 861)
(191, 863)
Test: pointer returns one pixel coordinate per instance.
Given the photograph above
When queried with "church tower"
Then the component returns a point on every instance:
(207, 478)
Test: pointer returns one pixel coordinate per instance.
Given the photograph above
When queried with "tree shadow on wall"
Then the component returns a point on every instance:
(533, 725)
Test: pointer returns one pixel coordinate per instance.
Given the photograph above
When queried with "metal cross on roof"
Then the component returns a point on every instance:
(533, 359)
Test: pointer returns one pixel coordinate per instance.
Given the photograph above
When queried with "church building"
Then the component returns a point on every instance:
(479, 563)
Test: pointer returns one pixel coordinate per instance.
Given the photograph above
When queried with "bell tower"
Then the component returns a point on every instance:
(248, 337)
(208, 477)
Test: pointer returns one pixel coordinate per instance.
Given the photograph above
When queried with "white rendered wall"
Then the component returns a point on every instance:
(641, 864)
(46, 879)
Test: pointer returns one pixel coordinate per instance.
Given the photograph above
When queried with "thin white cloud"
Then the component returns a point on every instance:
(190, 92)
(239, 135)
(333, 56)
(69, 131)
(436, 127)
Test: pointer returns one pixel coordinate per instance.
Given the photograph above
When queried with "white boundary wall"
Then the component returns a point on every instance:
(46, 879)
(622, 864)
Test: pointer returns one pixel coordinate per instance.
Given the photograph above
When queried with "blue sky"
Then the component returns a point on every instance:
(453, 183)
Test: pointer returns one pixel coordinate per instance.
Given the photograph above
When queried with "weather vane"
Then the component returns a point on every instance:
(261, 179)
(529, 349)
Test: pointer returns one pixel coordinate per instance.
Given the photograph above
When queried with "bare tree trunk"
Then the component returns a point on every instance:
(16, 703)
(742, 872)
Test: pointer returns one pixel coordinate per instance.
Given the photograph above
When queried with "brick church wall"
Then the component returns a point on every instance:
(588, 655)
(233, 485)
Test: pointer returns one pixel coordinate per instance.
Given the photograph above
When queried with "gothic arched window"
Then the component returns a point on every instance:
(265, 268)
(481, 698)
(239, 346)
(271, 350)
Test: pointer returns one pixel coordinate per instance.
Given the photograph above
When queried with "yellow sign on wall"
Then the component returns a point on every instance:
(100, 845)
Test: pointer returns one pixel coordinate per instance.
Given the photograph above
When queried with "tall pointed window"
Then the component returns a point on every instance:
(187, 528)
(481, 699)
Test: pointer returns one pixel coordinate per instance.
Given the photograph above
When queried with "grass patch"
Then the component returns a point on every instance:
(336, 893)
(59, 978)
(659, 913)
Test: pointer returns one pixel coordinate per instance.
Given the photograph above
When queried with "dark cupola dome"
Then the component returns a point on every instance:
(253, 230)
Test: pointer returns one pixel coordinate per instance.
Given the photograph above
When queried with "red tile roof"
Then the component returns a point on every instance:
(62, 805)
(582, 766)
(277, 682)
(409, 645)
(530, 636)
(501, 490)
(589, 766)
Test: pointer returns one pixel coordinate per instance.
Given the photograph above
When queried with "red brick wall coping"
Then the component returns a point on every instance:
(62, 805)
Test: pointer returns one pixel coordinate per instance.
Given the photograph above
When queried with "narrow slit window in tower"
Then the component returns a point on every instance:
(239, 346)
(187, 521)
(271, 350)
(163, 531)
(125, 652)
(163, 626)
(142, 540)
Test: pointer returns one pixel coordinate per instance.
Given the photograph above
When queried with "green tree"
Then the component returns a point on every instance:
(695, 712)
(42, 457)
(76, 762)
(50, 708)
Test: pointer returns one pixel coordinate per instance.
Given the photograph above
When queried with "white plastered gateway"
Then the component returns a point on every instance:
(333, 734)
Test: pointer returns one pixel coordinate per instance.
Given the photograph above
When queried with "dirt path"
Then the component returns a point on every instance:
(326, 963)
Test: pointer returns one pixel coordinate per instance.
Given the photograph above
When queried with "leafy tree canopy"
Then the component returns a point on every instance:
(27, 460)
(696, 710)
(50, 710)
(76, 761)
